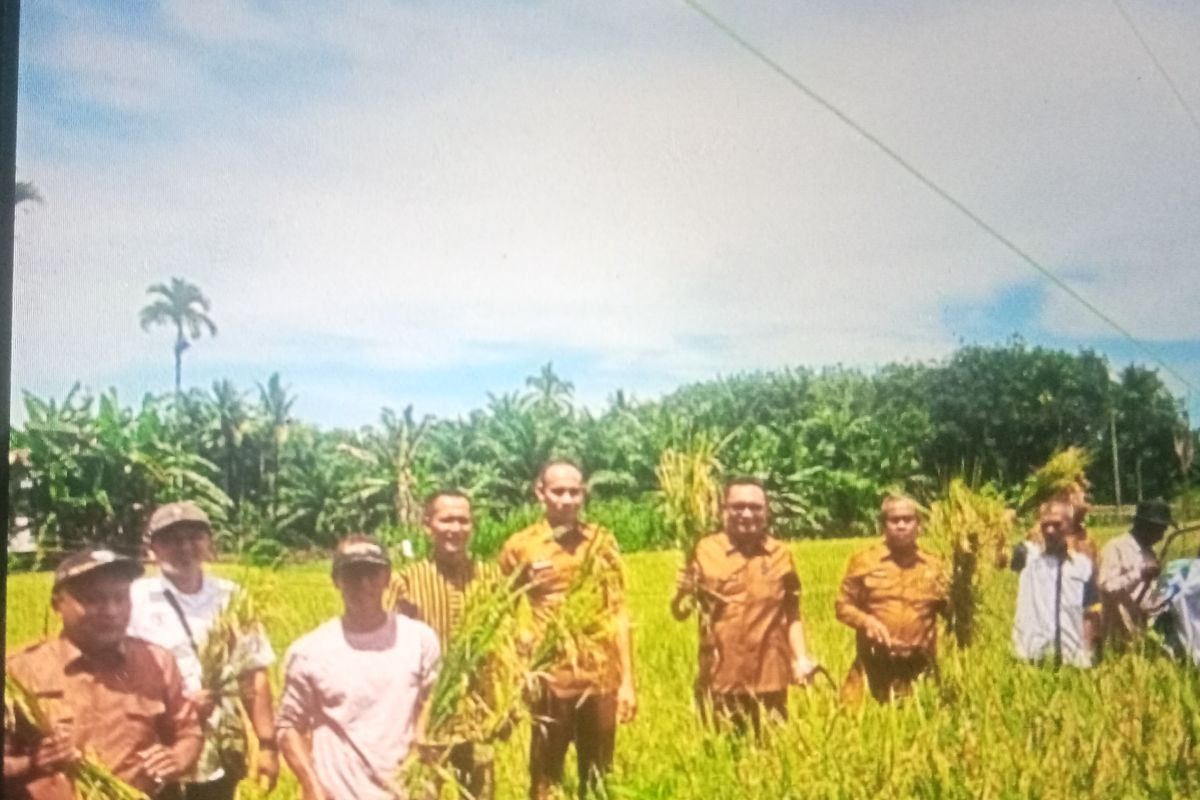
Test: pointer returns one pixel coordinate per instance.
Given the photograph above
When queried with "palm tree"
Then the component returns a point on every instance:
(183, 305)
(275, 403)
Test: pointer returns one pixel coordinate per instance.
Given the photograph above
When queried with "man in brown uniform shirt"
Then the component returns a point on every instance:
(576, 704)
(119, 697)
(891, 596)
(751, 637)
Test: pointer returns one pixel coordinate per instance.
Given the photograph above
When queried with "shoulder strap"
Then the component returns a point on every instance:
(182, 619)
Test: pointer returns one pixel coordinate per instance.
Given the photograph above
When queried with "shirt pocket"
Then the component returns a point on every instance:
(145, 711)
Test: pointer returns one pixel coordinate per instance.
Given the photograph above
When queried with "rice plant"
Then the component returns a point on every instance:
(89, 777)
(972, 529)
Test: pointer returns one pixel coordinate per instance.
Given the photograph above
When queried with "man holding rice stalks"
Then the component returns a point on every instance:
(589, 687)
(354, 687)
(744, 582)
(891, 596)
(112, 720)
(1057, 600)
(180, 610)
(1129, 571)
(436, 592)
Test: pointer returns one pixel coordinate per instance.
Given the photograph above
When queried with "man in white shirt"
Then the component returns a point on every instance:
(175, 610)
(1056, 597)
(1129, 572)
(357, 685)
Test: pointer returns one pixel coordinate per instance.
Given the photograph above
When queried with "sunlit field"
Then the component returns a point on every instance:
(988, 728)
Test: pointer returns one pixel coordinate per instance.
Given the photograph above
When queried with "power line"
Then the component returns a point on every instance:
(1166, 76)
(929, 183)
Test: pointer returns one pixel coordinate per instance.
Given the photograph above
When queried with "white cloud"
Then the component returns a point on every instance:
(624, 183)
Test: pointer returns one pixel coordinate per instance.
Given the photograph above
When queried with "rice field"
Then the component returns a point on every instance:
(990, 728)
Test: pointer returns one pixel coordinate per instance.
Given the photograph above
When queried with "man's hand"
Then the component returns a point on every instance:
(803, 671)
(205, 701)
(1151, 570)
(877, 632)
(267, 767)
(161, 764)
(54, 753)
(313, 793)
(626, 702)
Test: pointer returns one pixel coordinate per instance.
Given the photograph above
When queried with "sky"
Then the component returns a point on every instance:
(422, 202)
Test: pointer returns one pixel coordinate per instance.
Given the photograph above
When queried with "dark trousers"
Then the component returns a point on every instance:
(474, 773)
(223, 788)
(743, 711)
(590, 722)
(887, 677)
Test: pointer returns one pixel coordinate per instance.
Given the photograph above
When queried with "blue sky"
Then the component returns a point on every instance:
(395, 203)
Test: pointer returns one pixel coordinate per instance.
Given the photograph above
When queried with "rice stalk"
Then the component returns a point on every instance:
(1062, 477)
(972, 529)
(689, 493)
(220, 668)
(89, 777)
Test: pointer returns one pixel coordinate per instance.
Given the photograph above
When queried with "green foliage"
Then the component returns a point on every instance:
(827, 444)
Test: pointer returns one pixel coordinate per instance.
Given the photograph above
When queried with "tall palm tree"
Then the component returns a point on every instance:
(183, 305)
(275, 404)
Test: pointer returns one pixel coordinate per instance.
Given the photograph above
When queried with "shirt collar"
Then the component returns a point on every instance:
(74, 658)
(887, 554)
(765, 544)
(549, 534)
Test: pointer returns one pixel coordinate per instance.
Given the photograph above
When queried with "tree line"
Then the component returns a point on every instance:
(826, 442)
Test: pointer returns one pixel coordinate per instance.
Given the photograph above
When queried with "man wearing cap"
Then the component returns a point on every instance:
(354, 687)
(435, 592)
(891, 596)
(752, 644)
(176, 610)
(577, 702)
(116, 696)
(1057, 602)
(1129, 570)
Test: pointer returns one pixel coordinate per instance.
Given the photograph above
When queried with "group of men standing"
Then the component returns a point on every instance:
(1071, 609)
(124, 678)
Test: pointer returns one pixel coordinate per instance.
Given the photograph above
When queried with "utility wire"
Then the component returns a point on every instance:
(1166, 76)
(929, 183)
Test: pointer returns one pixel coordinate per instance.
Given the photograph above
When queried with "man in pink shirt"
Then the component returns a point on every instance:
(357, 685)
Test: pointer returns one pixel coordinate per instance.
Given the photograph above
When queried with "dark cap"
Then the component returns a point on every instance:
(172, 514)
(360, 550)
(1153, 512)
(94, 562)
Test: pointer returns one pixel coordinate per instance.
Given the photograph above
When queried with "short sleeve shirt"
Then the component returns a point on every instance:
(359, 695)
(154, 620)
(550, 564)
(425, 593)
(748, 599)
(115, 707)
(905, 598)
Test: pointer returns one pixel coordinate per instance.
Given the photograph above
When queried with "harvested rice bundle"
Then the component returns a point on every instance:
(91, 779)
(221, 663)
(1062, 477)
(477, 693)
(972, 529)
(689, 493)
(583, 627)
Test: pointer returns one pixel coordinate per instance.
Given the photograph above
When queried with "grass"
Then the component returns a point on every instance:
(992, 728)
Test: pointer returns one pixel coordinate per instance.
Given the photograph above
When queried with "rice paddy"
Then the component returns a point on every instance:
(990, 727)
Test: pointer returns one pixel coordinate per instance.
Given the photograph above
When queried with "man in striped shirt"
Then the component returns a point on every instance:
(435, 592)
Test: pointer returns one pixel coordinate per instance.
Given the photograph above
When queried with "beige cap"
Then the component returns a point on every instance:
(173, 514)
